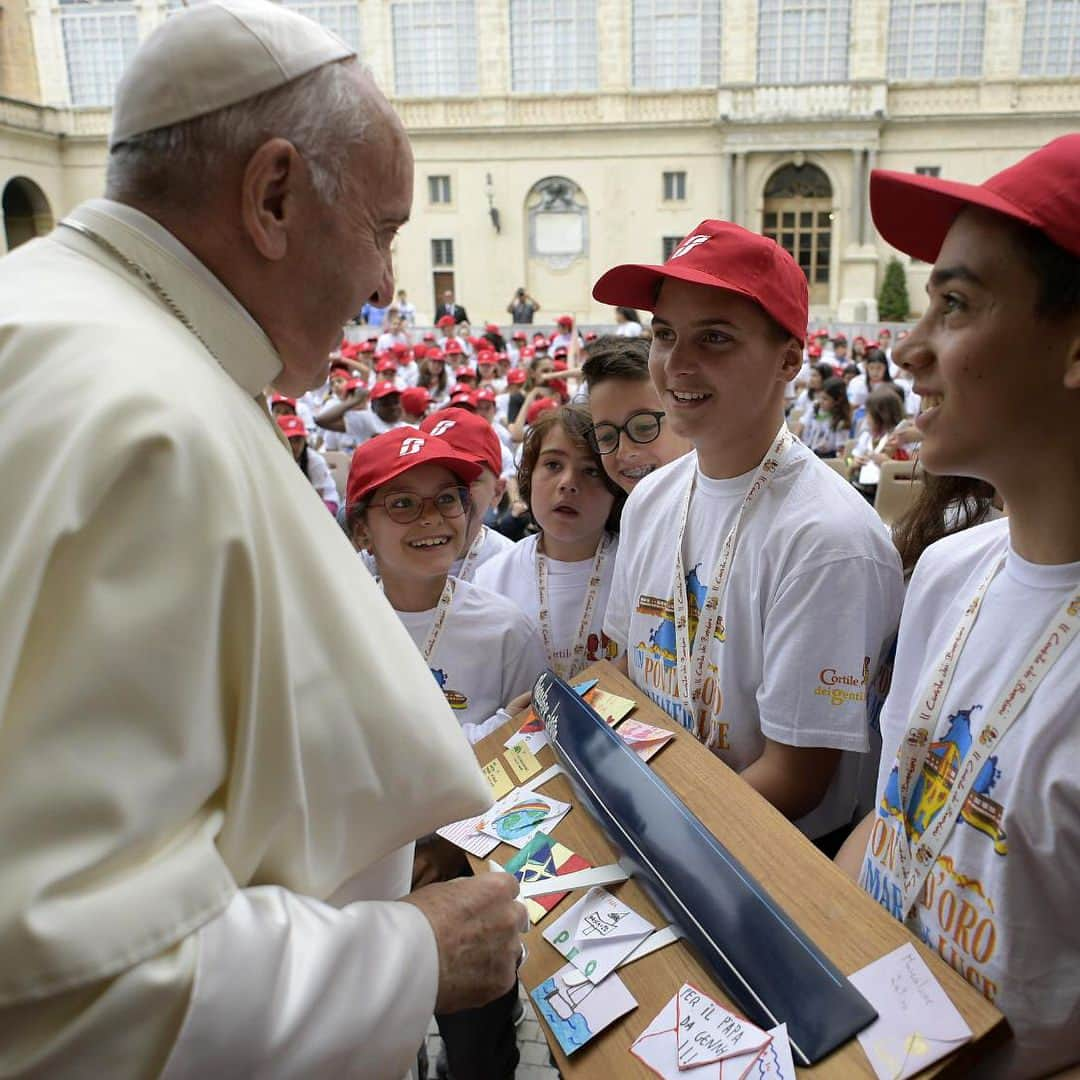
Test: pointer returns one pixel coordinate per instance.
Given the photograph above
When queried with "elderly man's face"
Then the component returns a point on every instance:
(348, 262)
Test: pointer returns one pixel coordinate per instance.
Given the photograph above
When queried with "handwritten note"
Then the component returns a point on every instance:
(707, 1032)
(522, 761)
(497, 777)
(917, 1024)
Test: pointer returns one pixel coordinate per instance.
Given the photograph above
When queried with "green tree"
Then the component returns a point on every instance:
(893, 303)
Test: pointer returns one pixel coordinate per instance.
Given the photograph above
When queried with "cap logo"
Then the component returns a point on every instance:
(688, 245)
(442, 427)
(411, 445)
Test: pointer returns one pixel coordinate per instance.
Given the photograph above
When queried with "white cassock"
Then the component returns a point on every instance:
(213, 729)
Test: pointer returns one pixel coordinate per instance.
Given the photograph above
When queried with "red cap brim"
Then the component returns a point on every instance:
(636, 285)
(914, 213)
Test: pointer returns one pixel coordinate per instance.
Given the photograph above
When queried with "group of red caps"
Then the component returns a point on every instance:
(814, 347)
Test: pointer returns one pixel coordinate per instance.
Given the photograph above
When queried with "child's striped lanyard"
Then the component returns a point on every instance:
(468, 564)
(596, 574)
(691, 664)
(911, 756)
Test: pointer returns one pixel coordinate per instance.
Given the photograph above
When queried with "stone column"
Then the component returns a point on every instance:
(738, 195)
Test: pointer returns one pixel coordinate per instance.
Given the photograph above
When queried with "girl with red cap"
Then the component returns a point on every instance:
(312, 463)
(562, 575)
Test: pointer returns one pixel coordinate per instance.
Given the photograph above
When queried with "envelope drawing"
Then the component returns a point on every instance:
(598, 933)
(516, 819)
(540, 859)
(697, 1038)
(775, 1061)
(917, 1024)
(645, 740)
(578, 1013)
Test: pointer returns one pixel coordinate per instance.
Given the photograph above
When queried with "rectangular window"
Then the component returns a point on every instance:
(927, 170)
(803, 41)
(553, 46)
(1051, 38)
(676, 44)
(670, 244)
(674, 186)
(99, 40)
(936, 39)
(341, 17)
(438, 189)
(435, 48)
(442, 252)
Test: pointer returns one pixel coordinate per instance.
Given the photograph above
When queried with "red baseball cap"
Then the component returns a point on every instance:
(486, 357)
(516, 376)
(539, 406)
(565, 320)
(293, 426)
(914, 213)
(884, 332)
(340, 371)
(386, 365)
(840, 339)
(420, 351)
(491, 328)
(722, 256)
(436, 354)
(464, 372)
(429, 336)
(461, 398)
(468, 434)
(387, 456)
(367, 346)
(590, 335)
(520, 335)
(527, 353)
(399, 348)
(445, 321)
(814, 351)
(484, 394)
(382, 389)
(281, 399)
(353, 383)
(415, 400)
(454, 346)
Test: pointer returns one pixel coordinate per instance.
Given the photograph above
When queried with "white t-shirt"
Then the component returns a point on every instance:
(857, 390)
(493, 544)
(628, 329)
(319, 475)
(1000, 903)
(489, 651)
(814, 593)
(822, 437)
(513, 575)
(363, 424)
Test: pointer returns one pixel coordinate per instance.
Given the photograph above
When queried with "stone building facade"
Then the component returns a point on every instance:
(554, 138)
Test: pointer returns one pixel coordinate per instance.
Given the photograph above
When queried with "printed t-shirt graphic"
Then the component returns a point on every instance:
(999, 901)
(489, 652)
(814, 592)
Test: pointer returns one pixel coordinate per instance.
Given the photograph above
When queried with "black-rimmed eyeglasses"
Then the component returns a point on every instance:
(640, 427)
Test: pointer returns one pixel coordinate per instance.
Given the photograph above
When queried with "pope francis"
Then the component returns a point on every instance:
(217, 743)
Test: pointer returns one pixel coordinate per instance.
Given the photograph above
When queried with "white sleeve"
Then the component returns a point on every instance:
(526, 661)
(508, 467)
(358, 425)
(320, 478)
(813, 689)
(287, 986)
(620, 605)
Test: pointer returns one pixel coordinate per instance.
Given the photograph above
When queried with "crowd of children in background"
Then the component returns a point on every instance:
(659, 500)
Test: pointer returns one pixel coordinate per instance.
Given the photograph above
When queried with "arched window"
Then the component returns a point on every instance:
(799, 217)
(26, 212)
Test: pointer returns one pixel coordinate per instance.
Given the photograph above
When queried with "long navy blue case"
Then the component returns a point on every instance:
(767, 965)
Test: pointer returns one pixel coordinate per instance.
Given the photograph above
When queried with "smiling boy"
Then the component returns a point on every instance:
(752, 576)
(975, 838)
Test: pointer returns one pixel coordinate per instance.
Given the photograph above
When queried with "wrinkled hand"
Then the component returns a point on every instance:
(478, 926)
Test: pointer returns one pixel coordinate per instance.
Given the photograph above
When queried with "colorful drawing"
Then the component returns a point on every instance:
(516, 818)
(464, 833)
(646, 740)
(578, 1013)
(540, 860)
(610, 706)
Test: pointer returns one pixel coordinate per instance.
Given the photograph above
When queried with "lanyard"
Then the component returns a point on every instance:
(577, 656)
(1050, 644)
(427, 650)
(690, 664)
(468, 564)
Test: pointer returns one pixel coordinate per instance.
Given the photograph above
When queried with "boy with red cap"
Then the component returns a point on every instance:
(565, 333)
(474, 437)
(975, 838)
(312, 463)
(754, 588)
(360, 424)
(415, 402)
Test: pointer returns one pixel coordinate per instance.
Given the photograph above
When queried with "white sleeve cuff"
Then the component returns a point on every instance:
(287, 986)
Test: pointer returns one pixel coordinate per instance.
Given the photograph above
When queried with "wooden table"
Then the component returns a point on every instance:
(839, 917)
